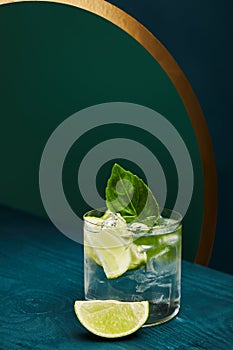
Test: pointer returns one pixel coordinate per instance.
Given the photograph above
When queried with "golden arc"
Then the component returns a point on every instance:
(186, 93)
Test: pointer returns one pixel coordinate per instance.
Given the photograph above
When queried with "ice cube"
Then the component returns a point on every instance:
(113, 220)
(138, 226)
(143, 280)
(163, 262)
(116, 225)
(93, 224)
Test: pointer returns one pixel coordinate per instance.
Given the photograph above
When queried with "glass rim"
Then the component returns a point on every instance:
(169, 227)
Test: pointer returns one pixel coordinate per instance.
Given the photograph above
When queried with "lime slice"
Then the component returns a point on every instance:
(110, 251)
(111, 318)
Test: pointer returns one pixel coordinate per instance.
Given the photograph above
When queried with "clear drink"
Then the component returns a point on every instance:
(134, 262)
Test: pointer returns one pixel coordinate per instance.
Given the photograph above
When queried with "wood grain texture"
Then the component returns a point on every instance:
(41, 274)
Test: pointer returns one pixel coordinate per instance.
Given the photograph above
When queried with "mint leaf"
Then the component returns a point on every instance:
(128, 195)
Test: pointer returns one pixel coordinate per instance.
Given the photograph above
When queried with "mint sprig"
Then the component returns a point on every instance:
(128, 195)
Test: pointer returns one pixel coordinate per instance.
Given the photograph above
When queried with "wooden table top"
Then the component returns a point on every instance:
(41, 275)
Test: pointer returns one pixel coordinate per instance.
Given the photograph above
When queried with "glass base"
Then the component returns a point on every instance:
(156, 318)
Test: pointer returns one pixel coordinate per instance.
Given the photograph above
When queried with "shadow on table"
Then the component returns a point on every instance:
(85, 336)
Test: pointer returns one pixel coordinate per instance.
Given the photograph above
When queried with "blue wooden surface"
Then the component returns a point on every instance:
(41, 274)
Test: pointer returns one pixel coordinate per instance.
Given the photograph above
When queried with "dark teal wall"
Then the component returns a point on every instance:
(199, 36)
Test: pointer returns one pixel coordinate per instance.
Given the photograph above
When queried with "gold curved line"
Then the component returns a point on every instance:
(183, 87)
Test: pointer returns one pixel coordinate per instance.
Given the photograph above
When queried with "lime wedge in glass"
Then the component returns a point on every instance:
(112, 247)
(110, 251)
(111, 318)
